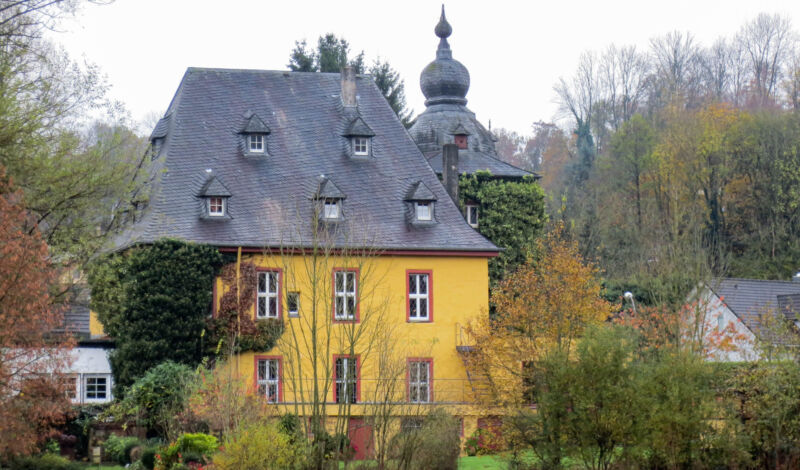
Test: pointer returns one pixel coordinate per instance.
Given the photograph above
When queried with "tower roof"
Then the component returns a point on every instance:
(445, 80)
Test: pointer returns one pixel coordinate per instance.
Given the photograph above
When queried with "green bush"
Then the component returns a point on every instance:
(190, 447)
(149, 457)
(117, 448)
(259, 446)
(44, 462)
(441, 443)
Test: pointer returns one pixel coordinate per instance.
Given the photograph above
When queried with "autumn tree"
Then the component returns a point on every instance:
(31, 399)
(545, 304)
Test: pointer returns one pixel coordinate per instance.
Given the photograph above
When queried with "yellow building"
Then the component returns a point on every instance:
(353, 242)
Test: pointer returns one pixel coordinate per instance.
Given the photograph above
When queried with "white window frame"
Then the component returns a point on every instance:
(472, 222)
(419, 387)
(349, 304)
(345, 385)
(417, 299)
(256, 143)
(268, 379)
(86, 385)
(331, 209)
(267, 296)
(296, 311)
(424, 210)
(71, 388)
(211, 203)
(361, 146)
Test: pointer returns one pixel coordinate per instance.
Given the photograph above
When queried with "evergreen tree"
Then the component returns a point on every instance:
(393, 88)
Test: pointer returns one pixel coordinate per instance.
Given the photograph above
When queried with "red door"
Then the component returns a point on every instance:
(360, 435)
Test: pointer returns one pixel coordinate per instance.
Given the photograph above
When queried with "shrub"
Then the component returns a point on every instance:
(440, 444)
(44, 462)
(259, 446)
(117, 448)
(149, 457)
(192, 447)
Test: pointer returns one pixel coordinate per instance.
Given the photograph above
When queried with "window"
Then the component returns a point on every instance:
(96, 388)
(268, 378)
(460, 141)
(419, 380)
(293, 303)
(472, 215)
(411, 424)
(346, 379)
(267, 294)
(216, 206)
(255, 143)
(424, 210)
(344, 302)
(155, 148)
(70, 385)
(360, 145)
(331, 209)
(721, 321)
(419, 295)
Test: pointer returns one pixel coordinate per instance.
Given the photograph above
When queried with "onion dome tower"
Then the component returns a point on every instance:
(446, 119)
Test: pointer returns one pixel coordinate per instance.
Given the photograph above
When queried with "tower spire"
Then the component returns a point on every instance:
(443, 30)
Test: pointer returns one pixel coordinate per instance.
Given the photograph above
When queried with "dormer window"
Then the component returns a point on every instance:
(361, 146)
(155, 148)
(461, 141)
(331, 209)
(424, 210)
(460, 136)
(255, 134)
(421, 201)
(216, 206)
(360, 136)
(255, 143)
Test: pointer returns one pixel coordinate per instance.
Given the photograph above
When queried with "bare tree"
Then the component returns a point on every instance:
(676, 60)
(767, 42)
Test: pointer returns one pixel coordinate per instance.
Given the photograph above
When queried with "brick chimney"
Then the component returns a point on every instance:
(450, 170)
(349, 86)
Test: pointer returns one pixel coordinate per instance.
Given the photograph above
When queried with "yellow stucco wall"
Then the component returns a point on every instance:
(460, 294)
(95, 327)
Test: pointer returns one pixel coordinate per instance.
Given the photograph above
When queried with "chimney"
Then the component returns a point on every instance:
(348, 86)
(450, 170)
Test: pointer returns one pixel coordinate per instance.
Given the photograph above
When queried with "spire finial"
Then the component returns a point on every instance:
(443, 28)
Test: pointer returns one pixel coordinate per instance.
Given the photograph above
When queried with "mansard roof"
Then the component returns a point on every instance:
(271, 197)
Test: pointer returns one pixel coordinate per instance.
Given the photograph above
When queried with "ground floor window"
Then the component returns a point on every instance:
(95, 387)
(346, 379)
(268, 378)
(419, 380)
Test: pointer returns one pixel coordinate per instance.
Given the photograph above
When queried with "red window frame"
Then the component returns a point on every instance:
(357, 315)
(430, 295)
(358, 374)
(279, 293)
(280, 375)
(429, 360)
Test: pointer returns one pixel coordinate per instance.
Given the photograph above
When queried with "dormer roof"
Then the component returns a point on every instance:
(326, 189)
(162, 128)
(213, 187)
(420, 192)
(459, 130)
(358, 128)
(255, 125)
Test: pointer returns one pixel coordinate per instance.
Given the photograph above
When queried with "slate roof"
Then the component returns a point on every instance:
(270, 202)
(161, 129)
(445, 83)
(420, 192)
(255, 126)
(358, 128)
(214, 187)
(76, 321)
(749, 299)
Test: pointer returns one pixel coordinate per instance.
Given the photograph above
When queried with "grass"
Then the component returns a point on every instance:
(481, 462)
(87, 466)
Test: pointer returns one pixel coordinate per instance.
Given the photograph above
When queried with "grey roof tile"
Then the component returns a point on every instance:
(358, 128)
(420, 192)
(255, 126)
(327, 189)
(214, 187)
(161, 129)
(269, 203)
(751, 299)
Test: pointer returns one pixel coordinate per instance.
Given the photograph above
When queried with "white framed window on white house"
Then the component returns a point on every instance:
(419, 305)
(331, 209)
(255, 143)
(419, 381)
(344, 302)
(293, 303)
(268, 373)
(95, 387)
(216, 206)
(472, 215)
(424, 210)
(361, 146)
(346, 378)
(70, 384)
(267, 294)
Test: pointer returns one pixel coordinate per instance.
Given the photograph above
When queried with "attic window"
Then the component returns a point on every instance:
(424, 210)
(361, 146)
(216, 207)
(461, 141)
(331, 209)
(255, 143)
(472, 215)
(155, 148)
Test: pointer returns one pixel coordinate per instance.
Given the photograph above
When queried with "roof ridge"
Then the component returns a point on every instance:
(758, 280)
(266, 71)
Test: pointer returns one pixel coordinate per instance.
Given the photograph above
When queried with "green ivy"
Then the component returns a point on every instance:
(511, 215)
(153, 300)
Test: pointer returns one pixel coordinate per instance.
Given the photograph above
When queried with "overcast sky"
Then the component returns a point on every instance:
(515, 51)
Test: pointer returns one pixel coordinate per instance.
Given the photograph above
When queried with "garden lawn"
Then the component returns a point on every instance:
(480, 462)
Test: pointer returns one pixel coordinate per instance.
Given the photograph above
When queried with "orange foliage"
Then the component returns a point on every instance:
(31, 398)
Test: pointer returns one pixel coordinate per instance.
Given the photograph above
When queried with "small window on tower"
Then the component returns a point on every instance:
(461, 141)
